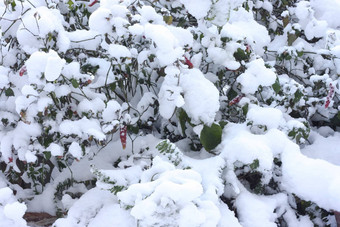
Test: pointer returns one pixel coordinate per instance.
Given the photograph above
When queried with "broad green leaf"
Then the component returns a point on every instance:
(9, 92)
(297, 96)
(276, 86)
(168, 19)
(291, 38)
(211, 136)
(240, 55)
(75, 83)
(47, 155)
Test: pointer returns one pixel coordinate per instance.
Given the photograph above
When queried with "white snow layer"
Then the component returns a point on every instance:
(190, 90)
(11, 211)
(256, 74)
(299, 173)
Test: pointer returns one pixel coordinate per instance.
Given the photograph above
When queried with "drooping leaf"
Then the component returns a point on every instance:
(183, 118)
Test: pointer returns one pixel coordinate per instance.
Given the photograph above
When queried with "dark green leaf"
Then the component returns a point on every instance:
(9, 92)
(133, 129)
(276, 86)
(232, 94)
(211, 136)
(255, 164)
(183, 118)
(223, 124)
(245, 109)
(75, 83)
(297, 96)
(47, 155)
(292, 133)
(13, 4)
(240, 55)
(291, 38)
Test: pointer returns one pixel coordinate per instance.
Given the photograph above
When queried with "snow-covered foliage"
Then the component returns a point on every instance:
(170, 113)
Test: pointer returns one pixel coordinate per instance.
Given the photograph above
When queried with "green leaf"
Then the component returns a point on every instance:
(75, 83)
(133, 129)
(285, 21)
(168, 19)
(223, 123)
(292, 134)
(183, 118)
(47, 155)
(299, 53)
(9, 92)
(113, 86)
(298, 138)
(70, 4)
(232, 94)
(245, 109)
(13, 4)
(240, 55)
(4, 121)
(276, 86)
(336, 120)
(297, 96)
(255, 164)
(291, 38)
(211, 136)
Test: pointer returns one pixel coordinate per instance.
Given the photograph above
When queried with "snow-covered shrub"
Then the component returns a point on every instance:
(11, 211)
(204, 107)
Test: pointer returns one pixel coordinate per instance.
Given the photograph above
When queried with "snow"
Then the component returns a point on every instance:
(30, 157)
(54, 66)
(256, 74)
(11, 211)
(111, 111)
(48, 63)
(168, 49)
(201, 97)
(119, 51)
(325, 147)
(245, 147)
(269, 117)
(83, 128)
(299, 175)
(75, 150)
(197, 10)
(85, 39)
(327, 10)
(36, 25)
(55, 149)
(243, 27)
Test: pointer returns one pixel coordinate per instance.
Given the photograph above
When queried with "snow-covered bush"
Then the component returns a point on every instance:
(184, 114)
